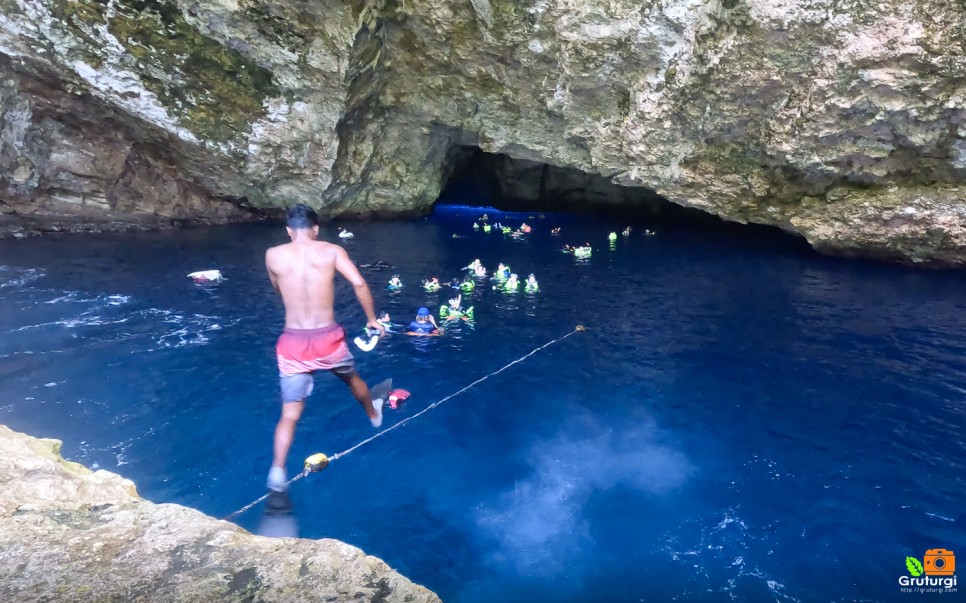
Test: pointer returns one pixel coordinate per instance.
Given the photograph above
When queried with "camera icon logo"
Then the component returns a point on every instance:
(939, 562)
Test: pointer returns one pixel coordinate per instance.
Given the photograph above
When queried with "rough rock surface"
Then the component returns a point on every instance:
(66, 166)
(67, 534)
(841, 120)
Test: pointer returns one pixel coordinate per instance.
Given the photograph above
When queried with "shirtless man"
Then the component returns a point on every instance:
(303, 272)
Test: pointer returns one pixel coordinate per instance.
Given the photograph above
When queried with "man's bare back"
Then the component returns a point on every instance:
(303, 272)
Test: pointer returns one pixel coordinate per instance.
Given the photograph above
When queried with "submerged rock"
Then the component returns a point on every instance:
(69, 534)
(824, 118)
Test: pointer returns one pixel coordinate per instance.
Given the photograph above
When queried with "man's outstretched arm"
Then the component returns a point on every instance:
(349, 271)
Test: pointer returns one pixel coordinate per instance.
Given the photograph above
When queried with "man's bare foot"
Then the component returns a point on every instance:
(379, 394)
(376, 406)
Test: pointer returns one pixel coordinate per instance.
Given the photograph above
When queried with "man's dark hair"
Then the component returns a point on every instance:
(301, 216)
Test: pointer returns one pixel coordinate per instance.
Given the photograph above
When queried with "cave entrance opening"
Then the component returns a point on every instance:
(481, 179)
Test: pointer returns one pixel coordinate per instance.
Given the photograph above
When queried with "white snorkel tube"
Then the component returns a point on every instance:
(367, 346)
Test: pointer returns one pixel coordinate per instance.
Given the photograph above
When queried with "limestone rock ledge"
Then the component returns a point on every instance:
(69, 534)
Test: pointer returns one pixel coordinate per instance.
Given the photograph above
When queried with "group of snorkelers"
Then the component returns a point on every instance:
(627, 232)
(524, 228)
(506, 280)
(585, 250)
(579, 251)
(425, 324)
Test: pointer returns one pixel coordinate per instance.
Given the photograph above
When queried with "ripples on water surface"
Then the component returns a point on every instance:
(745, 420)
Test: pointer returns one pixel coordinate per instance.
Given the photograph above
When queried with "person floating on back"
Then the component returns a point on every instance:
(424, 324)
(303, 272)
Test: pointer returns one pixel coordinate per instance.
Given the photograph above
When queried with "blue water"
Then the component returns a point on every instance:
(743, 420)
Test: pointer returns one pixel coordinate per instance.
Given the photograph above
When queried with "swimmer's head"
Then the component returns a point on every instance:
(423, 311)
(301, 217)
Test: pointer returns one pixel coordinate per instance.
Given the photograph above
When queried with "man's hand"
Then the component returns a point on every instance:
(375, 325)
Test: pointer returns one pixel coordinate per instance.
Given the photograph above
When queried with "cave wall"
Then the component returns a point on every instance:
(64, 154)
(240, 99)
(841, 120)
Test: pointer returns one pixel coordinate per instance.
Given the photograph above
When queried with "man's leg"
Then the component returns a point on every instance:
(285, 431)
(371, 401)
(295, 389)
(360, 390)
(284, 434)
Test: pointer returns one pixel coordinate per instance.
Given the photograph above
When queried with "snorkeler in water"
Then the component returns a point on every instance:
(424, 324)
(385, 321)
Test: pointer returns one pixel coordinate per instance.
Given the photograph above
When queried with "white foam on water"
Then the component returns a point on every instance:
(89, 317)
(190, 329)
(103, 300)
(120, 452)
(87, 321)
(723, 558)
(18, 277)
(167, 329)
(70, 297)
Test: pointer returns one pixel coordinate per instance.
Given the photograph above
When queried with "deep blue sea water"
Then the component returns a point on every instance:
(744, 420)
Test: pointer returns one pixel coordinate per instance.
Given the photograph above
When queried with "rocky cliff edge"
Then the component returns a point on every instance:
(69, 534)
